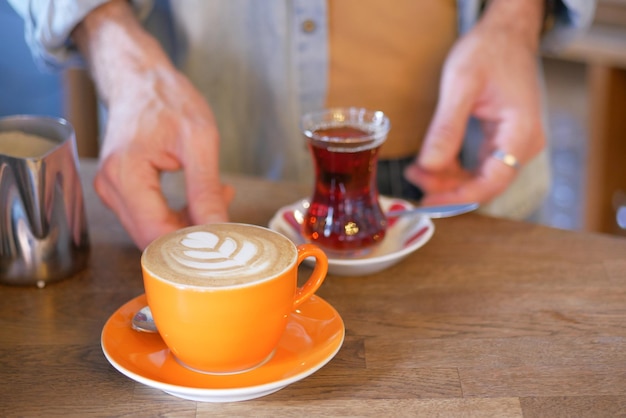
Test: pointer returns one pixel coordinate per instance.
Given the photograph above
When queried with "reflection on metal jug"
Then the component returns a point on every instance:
(43, 227)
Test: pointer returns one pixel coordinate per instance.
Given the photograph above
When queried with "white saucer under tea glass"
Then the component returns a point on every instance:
(404, 235)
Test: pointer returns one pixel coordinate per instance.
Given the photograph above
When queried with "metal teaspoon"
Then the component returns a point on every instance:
(143, 322)
(439, 211)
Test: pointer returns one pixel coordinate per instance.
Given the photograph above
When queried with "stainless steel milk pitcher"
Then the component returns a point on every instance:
(43, 227)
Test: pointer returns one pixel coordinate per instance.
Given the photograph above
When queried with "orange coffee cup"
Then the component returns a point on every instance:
(221, 294)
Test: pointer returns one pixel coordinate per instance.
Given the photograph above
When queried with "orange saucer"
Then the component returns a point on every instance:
(314, 335)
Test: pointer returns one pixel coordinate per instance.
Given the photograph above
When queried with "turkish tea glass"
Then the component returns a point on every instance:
(344, 216)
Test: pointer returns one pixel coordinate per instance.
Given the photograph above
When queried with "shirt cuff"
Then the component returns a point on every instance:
(568, 19)
(48, 25)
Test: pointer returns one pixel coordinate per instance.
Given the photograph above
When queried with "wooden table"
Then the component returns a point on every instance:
(490, 318)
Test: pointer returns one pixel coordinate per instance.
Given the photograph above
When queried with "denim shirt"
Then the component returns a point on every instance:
(269, 66)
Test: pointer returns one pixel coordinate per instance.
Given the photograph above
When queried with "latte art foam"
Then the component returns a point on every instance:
(219, 255)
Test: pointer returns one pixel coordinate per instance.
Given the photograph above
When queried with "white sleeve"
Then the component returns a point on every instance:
(49, 23)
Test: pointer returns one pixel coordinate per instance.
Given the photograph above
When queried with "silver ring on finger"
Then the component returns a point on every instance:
(506, 159)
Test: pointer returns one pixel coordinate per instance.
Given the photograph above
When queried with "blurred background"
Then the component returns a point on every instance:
(586, 99)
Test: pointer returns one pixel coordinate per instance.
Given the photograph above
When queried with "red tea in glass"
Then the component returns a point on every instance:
(344, 217)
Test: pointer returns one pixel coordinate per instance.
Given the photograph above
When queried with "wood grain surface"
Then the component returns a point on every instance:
(490, 318)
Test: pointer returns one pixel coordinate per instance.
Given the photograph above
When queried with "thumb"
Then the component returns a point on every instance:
(444, 137)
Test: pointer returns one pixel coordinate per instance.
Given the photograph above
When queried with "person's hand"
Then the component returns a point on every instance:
(160, 124)
(157, 121)
(492, 74)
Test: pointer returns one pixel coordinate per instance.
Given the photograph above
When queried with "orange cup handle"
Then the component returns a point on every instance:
(317, 276)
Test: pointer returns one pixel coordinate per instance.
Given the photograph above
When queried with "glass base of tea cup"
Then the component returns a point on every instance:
(224, 373)
(348, 253)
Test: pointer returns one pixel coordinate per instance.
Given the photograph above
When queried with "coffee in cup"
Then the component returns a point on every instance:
(221, 294)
